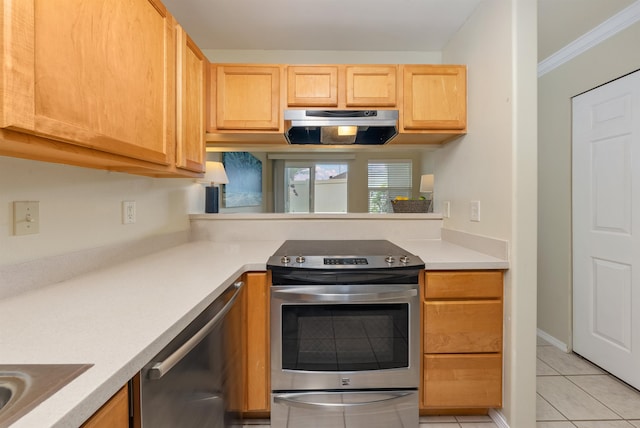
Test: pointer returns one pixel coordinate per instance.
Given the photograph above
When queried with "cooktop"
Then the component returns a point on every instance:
(342, 254)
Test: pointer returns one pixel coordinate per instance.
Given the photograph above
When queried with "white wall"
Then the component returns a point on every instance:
(610, 59)
(322, 57)
(80, 208)
(495, 163)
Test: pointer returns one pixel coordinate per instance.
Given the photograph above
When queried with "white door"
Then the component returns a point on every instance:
(606, 227)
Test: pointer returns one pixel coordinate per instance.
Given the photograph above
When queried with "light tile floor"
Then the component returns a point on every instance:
(572, 393)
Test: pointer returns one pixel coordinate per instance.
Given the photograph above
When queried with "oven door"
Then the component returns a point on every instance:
(344, 337)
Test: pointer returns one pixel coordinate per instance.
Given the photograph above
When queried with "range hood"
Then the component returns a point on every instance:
(340, 127)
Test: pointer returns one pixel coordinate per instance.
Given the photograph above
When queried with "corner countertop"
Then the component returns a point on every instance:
(119, 318)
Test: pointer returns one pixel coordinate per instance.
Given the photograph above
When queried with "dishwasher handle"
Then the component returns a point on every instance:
(161, 368)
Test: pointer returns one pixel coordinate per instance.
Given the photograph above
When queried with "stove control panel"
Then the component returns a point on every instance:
(345, 261)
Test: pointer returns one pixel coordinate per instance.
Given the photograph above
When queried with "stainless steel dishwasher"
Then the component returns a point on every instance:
(196, 380)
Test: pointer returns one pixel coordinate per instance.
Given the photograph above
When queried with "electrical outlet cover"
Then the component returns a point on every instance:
(128, 212)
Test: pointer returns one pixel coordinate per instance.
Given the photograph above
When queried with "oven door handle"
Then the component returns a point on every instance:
(295, 400)
(161, 368)
(300, 295)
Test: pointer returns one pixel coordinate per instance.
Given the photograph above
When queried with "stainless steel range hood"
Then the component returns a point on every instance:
(339, 127)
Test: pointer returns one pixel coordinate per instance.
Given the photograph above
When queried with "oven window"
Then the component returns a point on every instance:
(345, 337)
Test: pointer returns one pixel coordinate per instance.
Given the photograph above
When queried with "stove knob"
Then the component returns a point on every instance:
(300, 259)
(389, 259)
(285, 260)
(404, 259)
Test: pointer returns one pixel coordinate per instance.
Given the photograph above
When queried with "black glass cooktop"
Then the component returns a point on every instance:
(347, 257)
(339, 248)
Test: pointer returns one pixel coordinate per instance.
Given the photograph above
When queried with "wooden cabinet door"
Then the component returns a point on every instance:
(462, 381)
(190, 97)
(258, 388)
(113, 414)
(95, 76)
(247, 97)
(312, 86)
(435, 97)
(371, 86)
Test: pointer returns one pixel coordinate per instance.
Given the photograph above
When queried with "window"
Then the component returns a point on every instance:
(387, 180)
(315, 187)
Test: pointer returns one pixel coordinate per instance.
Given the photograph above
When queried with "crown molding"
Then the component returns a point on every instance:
(618, 22)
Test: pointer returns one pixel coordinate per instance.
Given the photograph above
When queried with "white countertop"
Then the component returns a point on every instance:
(119, 318)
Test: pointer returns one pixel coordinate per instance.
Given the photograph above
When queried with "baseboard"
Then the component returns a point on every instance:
(552, 340)
(498, 418)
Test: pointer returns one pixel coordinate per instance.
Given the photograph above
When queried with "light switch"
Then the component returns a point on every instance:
(446, 209)
(26, 217)
(474, 213)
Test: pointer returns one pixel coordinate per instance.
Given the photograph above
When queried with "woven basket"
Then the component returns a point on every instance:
(411, 206)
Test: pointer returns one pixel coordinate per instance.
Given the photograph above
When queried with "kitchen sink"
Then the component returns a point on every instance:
(24, 386)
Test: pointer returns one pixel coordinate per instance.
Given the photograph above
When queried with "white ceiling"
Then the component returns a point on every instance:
(334, 25)
(367, 25)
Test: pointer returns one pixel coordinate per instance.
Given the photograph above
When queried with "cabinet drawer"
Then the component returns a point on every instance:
(463, 326)
(463, 285)
(462, 381)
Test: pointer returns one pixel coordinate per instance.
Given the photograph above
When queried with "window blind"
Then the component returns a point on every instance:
(387, 180)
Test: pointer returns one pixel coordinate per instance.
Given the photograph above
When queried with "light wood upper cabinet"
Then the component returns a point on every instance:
(191, 66)
(96, 87)
(309, 86)
(462, 340)
(341, 86)
(95, 76)
(246, 97)
(371, 86)
(434, 98)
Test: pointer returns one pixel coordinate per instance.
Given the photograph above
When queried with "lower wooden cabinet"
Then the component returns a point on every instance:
(462, 380)
(462, 317)
(113, 414)
(257, 362)
(463, 326)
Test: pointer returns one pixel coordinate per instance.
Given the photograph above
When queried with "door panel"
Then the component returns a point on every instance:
(606, 287)
(612, 298)
(611, 184)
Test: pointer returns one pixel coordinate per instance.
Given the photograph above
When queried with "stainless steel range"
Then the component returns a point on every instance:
(344, 335)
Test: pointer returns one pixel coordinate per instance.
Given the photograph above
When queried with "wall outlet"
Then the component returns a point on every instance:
(128, 212)
(446, 209)
(26, 217)
(474, 211)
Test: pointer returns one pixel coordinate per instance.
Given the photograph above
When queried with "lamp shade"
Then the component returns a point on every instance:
(215, 173)
(426, 183)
